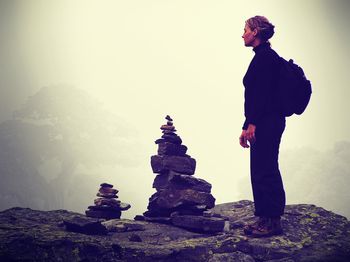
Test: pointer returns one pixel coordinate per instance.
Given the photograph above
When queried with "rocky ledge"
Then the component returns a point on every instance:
(311, 234)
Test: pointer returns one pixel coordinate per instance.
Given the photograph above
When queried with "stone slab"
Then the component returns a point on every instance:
(199, 223)
(181, 164)
(85, 225)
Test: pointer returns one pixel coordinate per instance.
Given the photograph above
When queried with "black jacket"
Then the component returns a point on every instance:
(260, 84)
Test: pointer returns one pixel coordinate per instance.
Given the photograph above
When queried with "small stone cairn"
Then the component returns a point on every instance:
(181, 199)
(107, 206)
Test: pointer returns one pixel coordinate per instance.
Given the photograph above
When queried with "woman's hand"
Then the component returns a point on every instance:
(250, 133)
(247, 135)
(243, 140)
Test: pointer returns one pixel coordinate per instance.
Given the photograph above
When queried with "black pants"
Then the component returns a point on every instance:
(268, 192)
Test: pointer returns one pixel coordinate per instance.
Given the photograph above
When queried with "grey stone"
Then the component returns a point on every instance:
(107, 195)
(170, 199)
(104, 208)
(139, 218)
(180, 164)
(103, 214)
(167, 117)
(112, 202)
(108, 190)
(123, 225)
(231, 257)
(174, 180)
(168, 127)
(106, 185)
(199, 223)
(85, 225)
(135, 238)
(196, 210)
(124, 206)
(172, 138)
(167, 148)
(163, 220)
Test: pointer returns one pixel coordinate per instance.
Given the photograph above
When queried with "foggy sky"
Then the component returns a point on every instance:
(146, 59)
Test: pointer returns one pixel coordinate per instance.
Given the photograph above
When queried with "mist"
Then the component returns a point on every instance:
(86, 85)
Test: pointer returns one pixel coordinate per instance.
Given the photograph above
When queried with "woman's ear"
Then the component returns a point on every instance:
(255, 32)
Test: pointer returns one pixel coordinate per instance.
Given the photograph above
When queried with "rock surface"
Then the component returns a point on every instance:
(311, 234)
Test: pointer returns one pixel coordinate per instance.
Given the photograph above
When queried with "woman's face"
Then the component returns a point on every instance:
(249, 36)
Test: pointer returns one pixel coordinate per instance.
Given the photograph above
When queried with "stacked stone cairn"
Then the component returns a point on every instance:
(107, 206)
(181, 199)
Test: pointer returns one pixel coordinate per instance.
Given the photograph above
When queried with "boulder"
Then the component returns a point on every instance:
(180, 164)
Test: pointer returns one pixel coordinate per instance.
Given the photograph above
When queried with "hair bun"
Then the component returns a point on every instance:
(265, 29)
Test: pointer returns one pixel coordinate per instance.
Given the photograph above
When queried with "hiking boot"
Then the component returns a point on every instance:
(271, 227)
(248, 229)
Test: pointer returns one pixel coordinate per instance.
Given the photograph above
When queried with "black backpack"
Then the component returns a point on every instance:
(294, 90)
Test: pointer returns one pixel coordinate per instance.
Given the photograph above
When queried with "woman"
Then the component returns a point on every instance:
(263, 128)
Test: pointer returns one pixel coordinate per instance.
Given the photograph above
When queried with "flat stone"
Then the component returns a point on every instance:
(104, 208)
(169, 132)
(166, 127)
(85, 225)
(112, 202)
(171, 199)
(156, 211)
(168, 118)
(124, 206)
(199, 223)
(107, 195)
(174, 180)
(181, 164)
(108, 190)
(139, 218)
(160, 140)
(162, 181)
(123, 225)
(197, 210)
(103, 214)
(106, 185)
(163, 220)
(179, 181)
(168, 148)
(172, 138)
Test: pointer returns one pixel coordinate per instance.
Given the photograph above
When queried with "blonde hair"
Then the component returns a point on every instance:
(263, 26)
